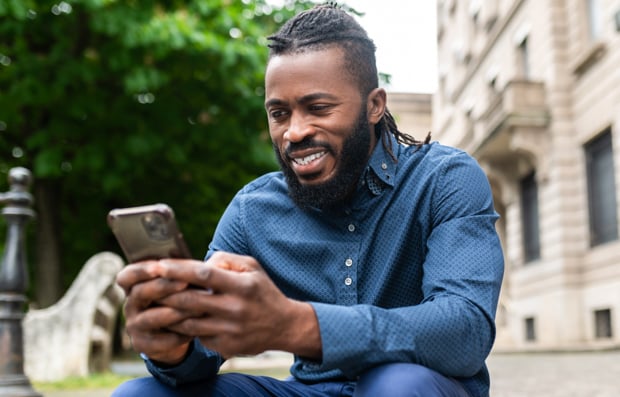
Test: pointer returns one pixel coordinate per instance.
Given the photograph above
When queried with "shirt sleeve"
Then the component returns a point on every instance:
(199, 365)
(202, 363)
(452, 329)
(229, 234)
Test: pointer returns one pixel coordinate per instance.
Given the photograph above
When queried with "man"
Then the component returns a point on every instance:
(372, 257)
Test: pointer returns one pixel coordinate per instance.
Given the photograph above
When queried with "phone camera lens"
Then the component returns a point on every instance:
(155, 226)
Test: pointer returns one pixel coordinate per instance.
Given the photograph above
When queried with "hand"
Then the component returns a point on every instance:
(243, 313)
(147, 322)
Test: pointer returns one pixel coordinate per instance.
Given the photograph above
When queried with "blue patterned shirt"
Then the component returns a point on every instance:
(410, 271)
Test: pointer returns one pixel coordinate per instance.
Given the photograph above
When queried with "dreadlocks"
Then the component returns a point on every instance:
(327, 25)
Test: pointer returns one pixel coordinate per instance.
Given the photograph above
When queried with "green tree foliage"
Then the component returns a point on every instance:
(115, 103)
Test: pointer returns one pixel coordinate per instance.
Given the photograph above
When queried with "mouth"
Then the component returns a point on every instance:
(302, 161)
(310, 165)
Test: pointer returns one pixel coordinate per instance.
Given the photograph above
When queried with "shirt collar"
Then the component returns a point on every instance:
(381, 164)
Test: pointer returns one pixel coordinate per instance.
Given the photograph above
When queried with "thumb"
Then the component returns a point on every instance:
(234, 262)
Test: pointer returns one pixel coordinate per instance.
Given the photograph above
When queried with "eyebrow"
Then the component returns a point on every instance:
(304, 99)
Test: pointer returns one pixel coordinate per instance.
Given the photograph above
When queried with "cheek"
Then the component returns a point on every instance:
(276, 135)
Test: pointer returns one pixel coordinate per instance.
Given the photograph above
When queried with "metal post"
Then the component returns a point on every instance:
(13, 285)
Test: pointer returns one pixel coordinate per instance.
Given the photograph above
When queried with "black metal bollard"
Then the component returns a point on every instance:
(13, 285)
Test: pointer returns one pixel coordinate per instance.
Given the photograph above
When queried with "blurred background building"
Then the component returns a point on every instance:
(532, 90)
(413, 112)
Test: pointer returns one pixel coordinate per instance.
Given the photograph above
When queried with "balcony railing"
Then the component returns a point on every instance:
(522, 103)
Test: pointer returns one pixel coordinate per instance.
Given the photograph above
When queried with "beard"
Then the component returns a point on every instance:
(352, 161)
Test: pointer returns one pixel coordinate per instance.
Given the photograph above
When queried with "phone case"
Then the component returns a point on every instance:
(147, 232)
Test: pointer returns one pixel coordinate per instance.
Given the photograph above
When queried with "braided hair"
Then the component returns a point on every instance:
(327, 25)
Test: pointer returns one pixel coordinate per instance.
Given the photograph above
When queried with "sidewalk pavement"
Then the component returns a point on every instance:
(575, 374)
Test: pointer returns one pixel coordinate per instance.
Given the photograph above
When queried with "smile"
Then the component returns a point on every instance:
(308, 159)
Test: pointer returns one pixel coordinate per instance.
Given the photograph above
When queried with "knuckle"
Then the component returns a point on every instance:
(248, 286)
(203, 273)
(236, 309)
(131, 328)
(219, 256)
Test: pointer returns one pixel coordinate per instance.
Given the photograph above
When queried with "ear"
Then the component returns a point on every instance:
(375, 105)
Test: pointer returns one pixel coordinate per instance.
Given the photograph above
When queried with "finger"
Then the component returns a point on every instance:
(192, 270)
(146, 293)
(161, 346)
(199, 303)
(233, 262)
(135, 273)
(153, 317)
(193, 301)
(205, 327)
(208, 276)
(227, 337)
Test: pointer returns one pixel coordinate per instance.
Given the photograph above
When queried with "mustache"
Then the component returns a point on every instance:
(306, 144)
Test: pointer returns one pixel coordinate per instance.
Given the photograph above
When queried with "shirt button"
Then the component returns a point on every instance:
(348, 262)
(348, 281)
(351, 227)
(383, 166)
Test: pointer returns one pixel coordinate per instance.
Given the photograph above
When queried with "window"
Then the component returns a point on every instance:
(602, 324)
(451, 7)
(492, 91)
(493, 85)
(524, 59)
(529, 218)
(530, 329)
(601, 189)
(489, 10)
(595, 28)
(474, 12)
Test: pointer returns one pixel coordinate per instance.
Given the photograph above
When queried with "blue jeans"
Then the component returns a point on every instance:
(394, 380)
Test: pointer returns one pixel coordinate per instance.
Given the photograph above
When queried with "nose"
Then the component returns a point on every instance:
(299, 128)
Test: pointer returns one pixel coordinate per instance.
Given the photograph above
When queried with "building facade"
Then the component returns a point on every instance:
(412, 112)
(531, 88)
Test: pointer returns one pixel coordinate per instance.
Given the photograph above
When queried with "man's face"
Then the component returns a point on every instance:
(319, 125)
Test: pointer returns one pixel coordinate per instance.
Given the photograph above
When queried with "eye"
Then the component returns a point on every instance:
(277, 114)
(319, 107)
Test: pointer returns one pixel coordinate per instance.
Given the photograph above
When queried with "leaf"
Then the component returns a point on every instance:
(47, 163)
(121, 103)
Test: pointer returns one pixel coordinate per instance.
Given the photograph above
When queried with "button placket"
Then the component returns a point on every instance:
(348, 280)
(348, 290)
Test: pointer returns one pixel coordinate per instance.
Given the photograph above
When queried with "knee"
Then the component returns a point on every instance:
(404, 380)
(141, 387)
(220, 386)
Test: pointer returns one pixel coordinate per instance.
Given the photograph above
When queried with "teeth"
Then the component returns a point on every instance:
(308, 159)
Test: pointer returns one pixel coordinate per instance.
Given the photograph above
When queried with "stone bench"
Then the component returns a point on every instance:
(74, 336)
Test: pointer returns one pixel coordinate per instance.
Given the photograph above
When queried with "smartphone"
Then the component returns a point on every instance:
(148, 232)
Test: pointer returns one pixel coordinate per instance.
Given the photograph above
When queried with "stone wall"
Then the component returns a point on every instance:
(74, 336)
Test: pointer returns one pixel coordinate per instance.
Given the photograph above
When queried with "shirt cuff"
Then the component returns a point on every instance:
(346, 351)
(200, 364)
